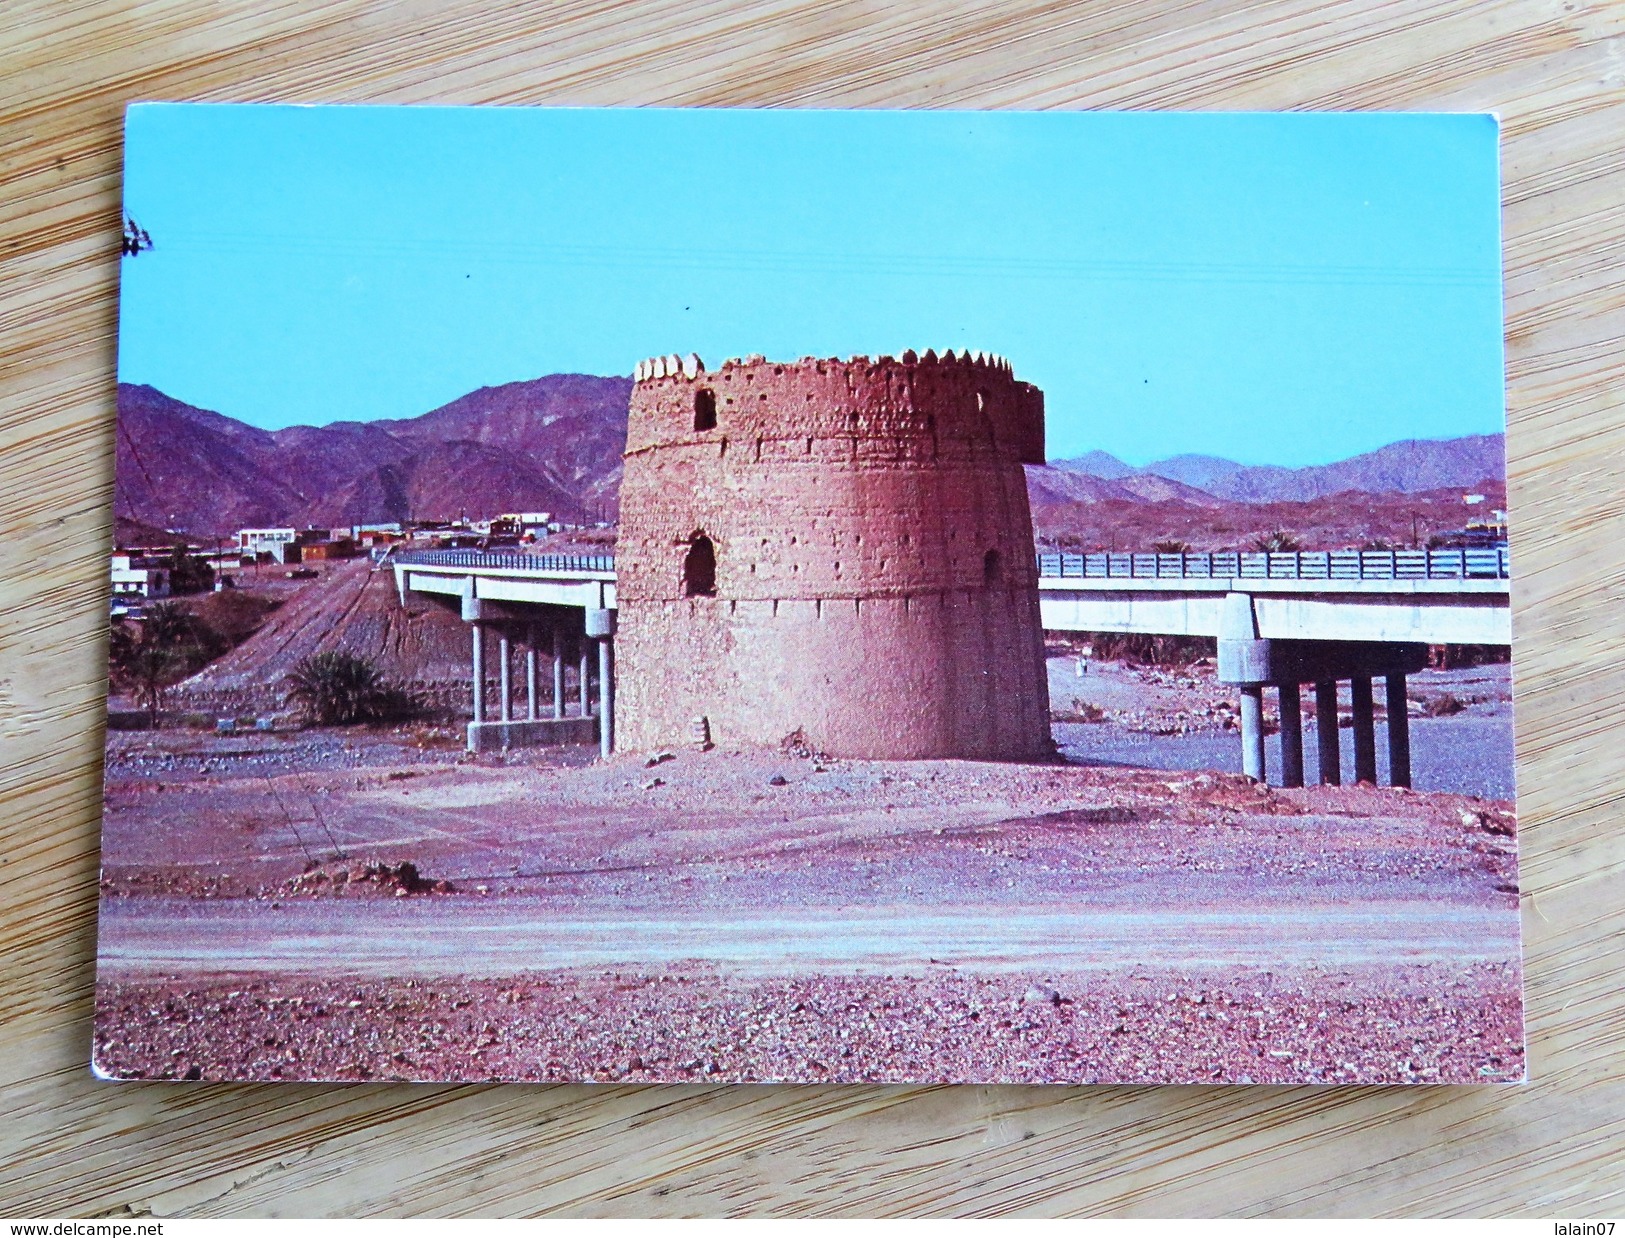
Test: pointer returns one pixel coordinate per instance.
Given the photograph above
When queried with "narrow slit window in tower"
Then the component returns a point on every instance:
(700, 568)
(705, 409)
(990, 567)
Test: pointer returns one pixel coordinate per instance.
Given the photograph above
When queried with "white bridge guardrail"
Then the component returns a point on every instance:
(505, 562)
(1491, 562)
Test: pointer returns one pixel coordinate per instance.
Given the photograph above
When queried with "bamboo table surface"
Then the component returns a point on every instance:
(1553, 69)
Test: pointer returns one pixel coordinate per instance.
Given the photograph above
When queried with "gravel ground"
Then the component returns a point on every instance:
(721, 830)
(246, 858)
(1433, 1024)
(1184, 719)
(1190, 699)
(1470, 754)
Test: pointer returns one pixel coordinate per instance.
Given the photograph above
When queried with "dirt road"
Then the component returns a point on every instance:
(497, 937)
(759, 916)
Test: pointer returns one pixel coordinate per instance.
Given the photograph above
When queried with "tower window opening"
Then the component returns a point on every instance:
(700, 568)
(705, 409)
(990, 567)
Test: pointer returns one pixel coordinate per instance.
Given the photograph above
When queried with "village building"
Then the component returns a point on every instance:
(522, 525)
(322, 549)
(138, 577)
(258, 543)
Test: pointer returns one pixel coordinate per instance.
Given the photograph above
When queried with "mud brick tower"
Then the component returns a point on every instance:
(839, 548)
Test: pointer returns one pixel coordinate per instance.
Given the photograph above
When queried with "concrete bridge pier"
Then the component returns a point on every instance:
(504, 677)
(1365, 730)
(600, 625)
(1291, 705)
(531, 643)
(1251, 661)
(478, 629)
(1399, 731)
(517, 624)
(558, 672)
(1252, 731)
(1326, 742)
(583, 677)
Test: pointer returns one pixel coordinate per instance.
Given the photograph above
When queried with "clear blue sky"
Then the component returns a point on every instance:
(1285, 289)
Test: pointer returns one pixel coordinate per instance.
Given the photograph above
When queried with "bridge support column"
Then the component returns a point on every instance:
(584, 675)
(1399, 732)
(505, 677)
(1251, 661)
(479, 672)
(530, 673)
(1331, 772)
(558, 673)
(1244, 660)
(1252, 731)
(1365, 733)
(606, 698)
(600, 626)
(1291, 735)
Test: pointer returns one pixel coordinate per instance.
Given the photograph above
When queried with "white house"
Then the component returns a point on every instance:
(265, 541)
(130, 581)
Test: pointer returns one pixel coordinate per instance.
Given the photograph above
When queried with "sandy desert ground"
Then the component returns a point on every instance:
(345, 905)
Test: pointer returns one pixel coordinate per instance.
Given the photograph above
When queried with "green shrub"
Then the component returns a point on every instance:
(338, 688)
(1442, 706)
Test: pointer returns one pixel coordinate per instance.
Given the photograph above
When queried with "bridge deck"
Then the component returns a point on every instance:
(1457, 596)
(1487, 563)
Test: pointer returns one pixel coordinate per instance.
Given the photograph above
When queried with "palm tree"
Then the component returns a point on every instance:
(1278, 541)
(171, 645)
(336, 688)
(168, 625)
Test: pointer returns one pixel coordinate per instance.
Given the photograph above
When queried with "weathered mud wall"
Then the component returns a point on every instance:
(843, 548)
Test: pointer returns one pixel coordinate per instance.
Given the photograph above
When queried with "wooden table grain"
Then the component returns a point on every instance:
(1555, 72)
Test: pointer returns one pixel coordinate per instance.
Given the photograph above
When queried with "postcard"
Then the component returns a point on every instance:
(735, 596)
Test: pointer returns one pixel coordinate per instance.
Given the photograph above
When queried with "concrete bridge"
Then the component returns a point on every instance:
(557, 608)
(1286, 619)
(1435, 597)
(1281, 620)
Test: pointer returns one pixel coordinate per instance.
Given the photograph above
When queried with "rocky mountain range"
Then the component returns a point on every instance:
(1408, 467)
(554, 443)
(550, 444)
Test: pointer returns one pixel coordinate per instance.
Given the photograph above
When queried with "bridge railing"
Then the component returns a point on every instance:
(501, 561)
(1485, 563)
(1456, 563)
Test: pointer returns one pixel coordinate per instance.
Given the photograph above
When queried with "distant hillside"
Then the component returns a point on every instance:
(1097, 464)
(179, 467)
(551, 443)
(1345, 520)
(555, 444)
(351, 608)
(1409, 467)
(571, 427)
(1058, 483)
